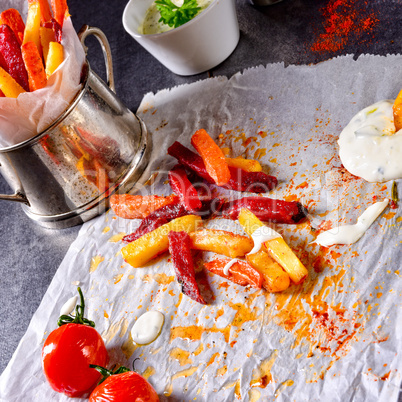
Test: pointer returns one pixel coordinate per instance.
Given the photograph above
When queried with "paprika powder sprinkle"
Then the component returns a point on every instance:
(343, 21)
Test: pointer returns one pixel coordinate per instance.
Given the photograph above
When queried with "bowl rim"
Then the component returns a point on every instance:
(166, 33)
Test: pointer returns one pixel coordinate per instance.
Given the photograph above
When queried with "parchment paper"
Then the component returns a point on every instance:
(32, 112)
(335, 338)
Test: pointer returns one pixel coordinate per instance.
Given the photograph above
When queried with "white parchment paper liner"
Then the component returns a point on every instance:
(32, 112)
(292, 116)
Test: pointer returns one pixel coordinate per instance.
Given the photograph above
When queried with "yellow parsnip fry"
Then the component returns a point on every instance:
(249, 165)
(144, 249)
(32, 25)
(221, 242)
(54, 58)
(8, 85)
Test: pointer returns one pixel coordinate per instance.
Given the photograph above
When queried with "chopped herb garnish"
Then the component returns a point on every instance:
(175, 16)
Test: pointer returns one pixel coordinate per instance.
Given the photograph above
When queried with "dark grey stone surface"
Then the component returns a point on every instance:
(285, 32)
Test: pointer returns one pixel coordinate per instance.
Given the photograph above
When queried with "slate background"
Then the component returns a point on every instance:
(284, 32)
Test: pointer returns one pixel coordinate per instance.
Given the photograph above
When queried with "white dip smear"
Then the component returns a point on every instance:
(228, 265)
(147, 327)
(368, 145)
(69, 306)
(261, 235)
(349, 234)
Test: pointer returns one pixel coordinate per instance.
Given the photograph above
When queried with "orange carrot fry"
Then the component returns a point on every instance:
(45, 13)
(34, 65)
(240, 272)
(13, 19)
(138, 206)
(213, 157)
(397, 110)
(60, 10)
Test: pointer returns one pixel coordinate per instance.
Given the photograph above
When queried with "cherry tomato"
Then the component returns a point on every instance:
(124, 387)
(69, 350)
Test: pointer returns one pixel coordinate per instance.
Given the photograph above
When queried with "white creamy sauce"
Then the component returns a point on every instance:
(261, 235)
(368, 145)
(147, 327)
(151, 24)
(69, 306)
(229, 265)
(349, 234)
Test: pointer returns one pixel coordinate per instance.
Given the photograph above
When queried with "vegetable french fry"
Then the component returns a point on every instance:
(221, 242)
(32, 25)
(13, 19)
(274, 278)
(266, 209)
(213, 157)
(276, 248)
(397, 111)
(182, 186)
(45, 13)
(34, 65)
(157, 218)
(56, 28)
(249, 165)
(156, 242)
(8, 86)
(240, 180)
(179, 248)
(60, 10)
(138, 206)
(240, 272)
(54, 58)
(46, 36)
(11, 57)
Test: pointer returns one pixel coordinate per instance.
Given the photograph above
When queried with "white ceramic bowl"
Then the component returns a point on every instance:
(195, 47)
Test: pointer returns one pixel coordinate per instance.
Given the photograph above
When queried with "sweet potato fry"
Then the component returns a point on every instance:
(240, 272)
(397, 111)
(34, 65)
(221, 242)
(249, 165)
(157, 218)
(8, 86)
(213, 157)
(60, 10)
(266, 209)
(179, 248)
(276, 248)
(13, 19)
(274, 278)
(32, 33)
(11, 57)
(156, 242)
(182, 186)
(138, 206)
(54, 58)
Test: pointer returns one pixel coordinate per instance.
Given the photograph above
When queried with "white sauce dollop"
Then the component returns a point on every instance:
(229, 264)
(147, 327)
(69, 306)
(368, 145)
(349, 234)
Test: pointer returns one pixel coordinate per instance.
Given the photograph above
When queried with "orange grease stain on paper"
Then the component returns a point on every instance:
(95, 261)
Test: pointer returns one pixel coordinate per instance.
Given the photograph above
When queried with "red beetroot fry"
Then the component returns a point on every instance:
(241, 272)
(266, 209)
(180, 250)
(12, 56)
(255, 182)
(55, 26)
(157, 218)
(182, 187)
